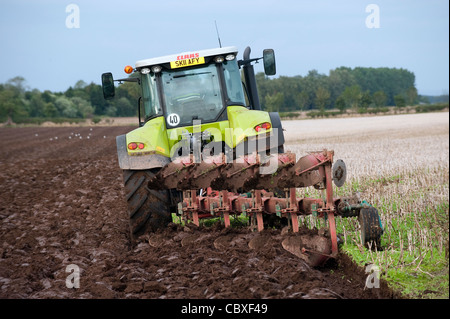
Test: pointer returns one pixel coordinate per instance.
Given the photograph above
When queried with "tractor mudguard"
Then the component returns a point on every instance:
(245, 137)
(276, 125)
(274, 141)
(147, 161)
(144, 147)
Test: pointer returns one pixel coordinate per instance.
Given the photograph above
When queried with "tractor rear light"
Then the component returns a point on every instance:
(132, 146)
(266, 125)
(263, 126)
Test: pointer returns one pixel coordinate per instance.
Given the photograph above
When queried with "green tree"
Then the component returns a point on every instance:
(48, 96)
(311, 83)
(65, 107)
(274, 101)
(18, 83)
(111, 111)
(411, 95)
(11, 104)
(379, 98)
(366, 100)
(83, 108)
(262, 83)
(338, 80)
(124, 107)
(391, 81)
(399, 100)
(301, 100)
(50, 110)
(80, 85)
(130, 90)
(352, 96)
(69, 92)
(322, 97)
(36, 104)
(340, 104)
(95, 94)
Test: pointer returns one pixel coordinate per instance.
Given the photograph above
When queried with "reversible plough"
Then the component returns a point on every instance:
(216, 188)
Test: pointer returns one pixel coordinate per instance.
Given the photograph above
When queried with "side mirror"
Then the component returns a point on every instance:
(108, 86)
(269, 62)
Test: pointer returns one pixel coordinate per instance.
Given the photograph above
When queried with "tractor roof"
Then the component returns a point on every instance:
(185, 55)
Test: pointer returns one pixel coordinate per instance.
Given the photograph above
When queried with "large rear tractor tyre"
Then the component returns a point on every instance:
(148, 209)
(371, 230)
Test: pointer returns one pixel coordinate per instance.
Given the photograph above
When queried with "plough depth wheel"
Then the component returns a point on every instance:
(371, 229)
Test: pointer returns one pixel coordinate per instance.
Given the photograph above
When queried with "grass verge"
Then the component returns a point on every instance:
(414, 210)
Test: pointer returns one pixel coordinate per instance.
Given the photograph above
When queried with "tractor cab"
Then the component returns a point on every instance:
(197, 85)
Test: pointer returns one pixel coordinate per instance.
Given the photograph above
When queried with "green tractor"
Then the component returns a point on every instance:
(192, 103)
(204, 148)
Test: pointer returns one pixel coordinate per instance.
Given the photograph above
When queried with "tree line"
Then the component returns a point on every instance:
(20, 104)
(344, 88)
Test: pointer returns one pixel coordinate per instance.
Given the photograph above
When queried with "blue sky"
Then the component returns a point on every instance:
(305, 34)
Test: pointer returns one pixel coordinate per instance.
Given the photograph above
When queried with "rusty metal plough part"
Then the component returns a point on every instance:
(245, 174)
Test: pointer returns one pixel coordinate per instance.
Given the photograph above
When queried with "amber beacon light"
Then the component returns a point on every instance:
(128, 69)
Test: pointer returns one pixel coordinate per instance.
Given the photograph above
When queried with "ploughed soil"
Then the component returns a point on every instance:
(62, 204)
